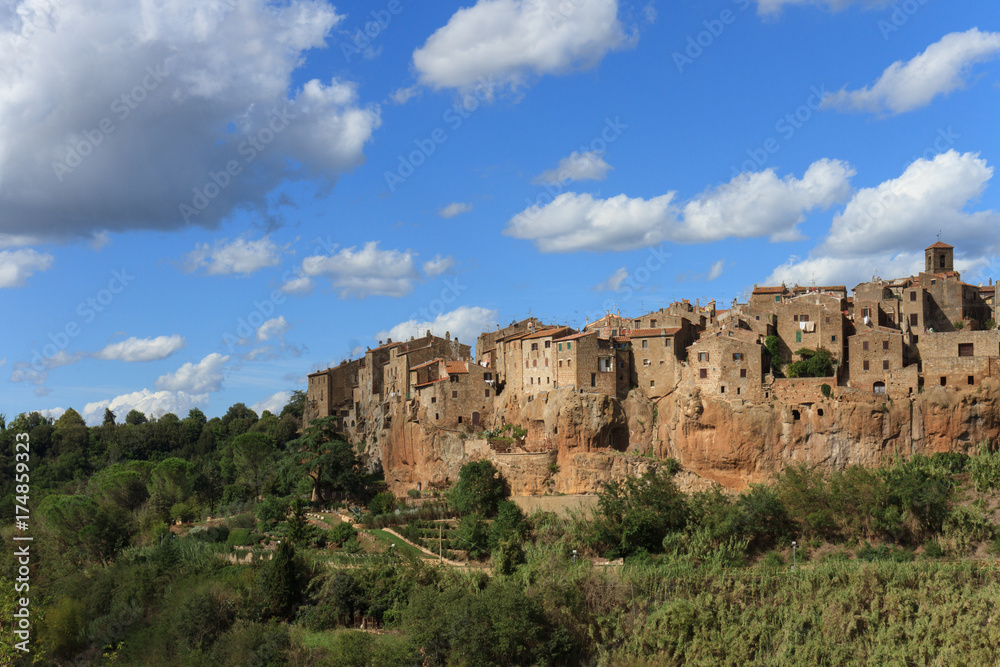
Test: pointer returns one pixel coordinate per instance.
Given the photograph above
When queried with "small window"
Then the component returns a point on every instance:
(944, 380)
(913, 296)
(702, 373)
(885, 364)
(738, 391)
(436, 415)
(666, 342)
(546, 361)
(885, 345)
(826, 320)
(548, 344)
(833, 339)
(864, 346)
(569, 346)
(652, 324)
(866, 312)
(743, 372)
(560, 347)
(722, 389)
(434, 399)
(798, 336)
(454, 394)
(795, 415)
(652, 383)
(645, 343)
(777, 298)
(795, 318)
(560, 363)
(972, 379)
(703, 356)
(459, 420)
(737, 356)
(487, 376)
(965, 350)
(866, 366)
(534, 346)
(487, 395)
(913, 319)
(804, 318)
(534, 363)
(593, 379)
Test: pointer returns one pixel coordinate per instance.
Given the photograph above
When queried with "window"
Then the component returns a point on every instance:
(435, 415)
(666, 342)
(826, 319)
(743, 372)
(913, 319)
(487, 394)
(560, 363)
(864, 346)
(965, 350)
(652, 324)
(944, 380)
(798, 336)
(803, 318)
(548, 380)
(548, 344)
(434, 399)
(738, 391)
(833, 339)
(546, 362)
(487, 376)
(560, 347)
(534, 363)
(652, 383)
(913, 296)
(942, 266)
(569, 346)
(777, 298)
(454, 394)
(593, 379)
(866, 365)
(885, 345)
(534, 347)
(737, 356)
(459, 420)
(645, 363)
(569, 362)
(722, 389)
(702, 373)
(972, 379)
(525, 363)
(795, 318)
(703, 356)
(885, 364)
(644, 343)
(454, 378)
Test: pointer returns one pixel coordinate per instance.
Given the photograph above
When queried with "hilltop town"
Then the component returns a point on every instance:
(420, 407)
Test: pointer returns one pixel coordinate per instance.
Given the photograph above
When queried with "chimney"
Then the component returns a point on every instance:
(447, 335)
(388, 340)
(380, 343)
(428, 332)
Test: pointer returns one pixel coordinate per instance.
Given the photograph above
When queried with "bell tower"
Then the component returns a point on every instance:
(939, 258)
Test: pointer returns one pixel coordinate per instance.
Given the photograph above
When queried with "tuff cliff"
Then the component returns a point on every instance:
(575, 442)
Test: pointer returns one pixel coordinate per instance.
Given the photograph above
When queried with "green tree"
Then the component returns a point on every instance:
(329, 461)
(254, 457)
(816, 363)
(480, 489)
(135, 417)
(638, 512)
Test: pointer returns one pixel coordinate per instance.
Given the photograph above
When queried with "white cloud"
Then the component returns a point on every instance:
(300, 286)
(54, 413)
(507, 42)
(404, 95)
(756, 204)
(274, 403)
(716, 270)
(883, 230)
(182, 86)
(142, 349)
(577, 167)
(239, 256)
(16, 266)
(464, 323)
(273, 328)
(775, 6)
(940, 69)
(614, 281)
(200, 378)
(369, 271)
(438, 265)
(453, 209)
(151, 404)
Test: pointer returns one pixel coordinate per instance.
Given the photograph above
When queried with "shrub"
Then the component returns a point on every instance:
(826, 390)
(238, 537)
(382, 503)
(933, 549)
(480, 489)
(271, 511)
(341, 533)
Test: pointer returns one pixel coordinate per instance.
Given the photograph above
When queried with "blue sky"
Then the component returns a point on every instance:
(202, 203)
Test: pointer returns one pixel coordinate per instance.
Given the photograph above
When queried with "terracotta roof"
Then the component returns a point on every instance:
(426, 363)
(425, 384)
(769, 290)
(386, 346)
(577, 335)
(988, 288)
(551, 331)
(454, 367)
(939, 244)
(646, 333)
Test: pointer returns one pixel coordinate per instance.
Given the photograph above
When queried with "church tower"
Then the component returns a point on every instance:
(939, 258)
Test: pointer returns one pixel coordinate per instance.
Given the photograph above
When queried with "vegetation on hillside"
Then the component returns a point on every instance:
(893, 566)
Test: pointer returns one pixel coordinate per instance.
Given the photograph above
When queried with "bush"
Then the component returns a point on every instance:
(933, 549)
(271, 511)
(826, 390)
(242, 521)
(480, 489)
(238, 537)
(382, 503)
(341, 533)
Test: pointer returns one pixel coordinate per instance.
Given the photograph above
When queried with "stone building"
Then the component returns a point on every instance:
(538, 359)
(813, 320)
(591, 364)
(728, 364)
(937, 299)
(959, 358)
(486, 344)
(452, 393)
(657, 355)
(878, 363)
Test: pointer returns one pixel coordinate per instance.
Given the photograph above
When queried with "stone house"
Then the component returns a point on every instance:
(728, 364)
(813, 320)
(591, 364)
(878, 363)
(538, 359)
(938, 298)
(452, 393)
(959, 359)
(486, 344)
(331, 391)
(657, 355)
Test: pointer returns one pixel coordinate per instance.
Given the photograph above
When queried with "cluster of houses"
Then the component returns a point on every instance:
(887, 337)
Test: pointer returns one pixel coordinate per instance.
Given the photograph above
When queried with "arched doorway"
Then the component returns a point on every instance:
(879, 387)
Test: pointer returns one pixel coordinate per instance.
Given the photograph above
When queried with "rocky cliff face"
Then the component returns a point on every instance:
(575, 442)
